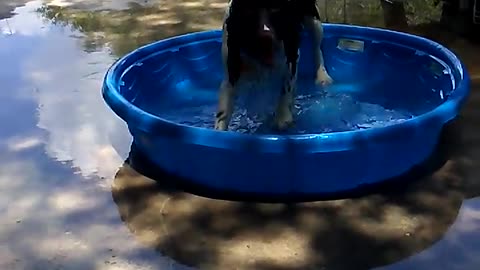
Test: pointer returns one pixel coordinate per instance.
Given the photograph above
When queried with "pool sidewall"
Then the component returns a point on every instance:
(293, 163)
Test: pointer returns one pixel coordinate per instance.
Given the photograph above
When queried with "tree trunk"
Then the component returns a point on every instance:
(394, 14)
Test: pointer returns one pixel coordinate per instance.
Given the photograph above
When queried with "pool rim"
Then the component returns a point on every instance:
(138, 119)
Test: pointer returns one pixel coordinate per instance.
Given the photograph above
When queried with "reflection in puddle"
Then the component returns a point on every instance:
(66, 86)
(458, 249)
(57, 143)
(62, 148)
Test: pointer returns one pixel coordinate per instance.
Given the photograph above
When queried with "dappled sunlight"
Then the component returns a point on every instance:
(158, 20)
(392, 221)
(207, 233)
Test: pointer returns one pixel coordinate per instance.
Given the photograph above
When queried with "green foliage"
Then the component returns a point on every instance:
(422, 11)
(369, 12)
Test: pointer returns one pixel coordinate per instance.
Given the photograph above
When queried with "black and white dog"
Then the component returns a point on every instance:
(258, 31)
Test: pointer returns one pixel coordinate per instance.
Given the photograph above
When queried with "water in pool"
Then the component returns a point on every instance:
(319, 111)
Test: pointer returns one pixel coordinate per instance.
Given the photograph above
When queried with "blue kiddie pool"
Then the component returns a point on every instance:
(382, 116)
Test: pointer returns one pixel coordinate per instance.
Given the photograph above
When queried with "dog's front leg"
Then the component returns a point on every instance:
(231, 65)
(225, 106)
(284, 112)
(315, 27)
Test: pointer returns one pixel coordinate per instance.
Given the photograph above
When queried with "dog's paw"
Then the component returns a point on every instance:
(283, 120)
(323, 78)
(220, 125)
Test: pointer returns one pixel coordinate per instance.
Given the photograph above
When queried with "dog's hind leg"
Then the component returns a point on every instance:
(314, 26)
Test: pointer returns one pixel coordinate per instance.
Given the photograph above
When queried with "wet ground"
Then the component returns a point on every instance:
(68, 200)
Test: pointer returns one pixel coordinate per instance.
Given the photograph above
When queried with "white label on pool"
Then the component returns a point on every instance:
(351, 45)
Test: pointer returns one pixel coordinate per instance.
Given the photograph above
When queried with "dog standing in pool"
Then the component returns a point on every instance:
(265, 34)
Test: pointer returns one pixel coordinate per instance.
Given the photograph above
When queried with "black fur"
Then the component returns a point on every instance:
(285, 17)
(257, 29)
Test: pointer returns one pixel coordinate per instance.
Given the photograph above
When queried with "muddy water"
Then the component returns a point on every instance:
(68, 200)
